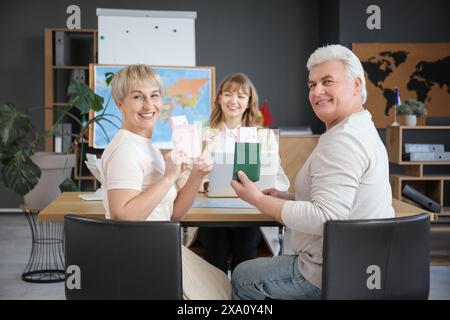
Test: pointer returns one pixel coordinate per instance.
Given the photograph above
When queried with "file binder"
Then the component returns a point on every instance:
(427, 156)
(423, 147)
(247, 158)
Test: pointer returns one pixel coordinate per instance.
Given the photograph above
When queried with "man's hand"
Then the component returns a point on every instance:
(246, 189)
(279, 194)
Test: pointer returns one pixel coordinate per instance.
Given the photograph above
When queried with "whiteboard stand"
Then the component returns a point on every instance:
(165, 38)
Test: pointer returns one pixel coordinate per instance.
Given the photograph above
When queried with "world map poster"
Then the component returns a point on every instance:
(419, 70)
(188, 91)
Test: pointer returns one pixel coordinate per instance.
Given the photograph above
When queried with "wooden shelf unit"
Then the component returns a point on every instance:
(432, 185)
(82, 41)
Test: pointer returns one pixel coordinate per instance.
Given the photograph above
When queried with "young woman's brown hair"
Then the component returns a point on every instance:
(234, 82)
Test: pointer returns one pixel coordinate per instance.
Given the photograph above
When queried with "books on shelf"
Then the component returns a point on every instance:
(426, 156)
(63, 139)
(62, 48)
(425, 152)
(423, 147)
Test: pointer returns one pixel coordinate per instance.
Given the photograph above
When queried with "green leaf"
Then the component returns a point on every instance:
(83, 98)
(14, 125)
(108, 78)
(68, 185)
(21, 174)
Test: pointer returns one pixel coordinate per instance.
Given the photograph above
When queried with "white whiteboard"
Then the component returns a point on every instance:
(151, 37)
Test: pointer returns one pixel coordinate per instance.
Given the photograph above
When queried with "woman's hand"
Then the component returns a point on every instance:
(202, 166)
(279, 194)
(246, 189)
(174, 164)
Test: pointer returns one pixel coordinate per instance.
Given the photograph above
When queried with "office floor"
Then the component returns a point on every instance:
(15, 245)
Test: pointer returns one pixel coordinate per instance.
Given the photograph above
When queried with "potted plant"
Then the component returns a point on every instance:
(41, 176)
(411, 109)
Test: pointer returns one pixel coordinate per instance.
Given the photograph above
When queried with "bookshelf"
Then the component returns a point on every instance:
(431, 178)
(67, 55)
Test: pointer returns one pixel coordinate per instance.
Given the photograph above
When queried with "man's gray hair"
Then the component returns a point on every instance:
(352, 64)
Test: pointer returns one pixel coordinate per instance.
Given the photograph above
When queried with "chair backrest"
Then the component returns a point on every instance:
(376, 259)
(122, 259)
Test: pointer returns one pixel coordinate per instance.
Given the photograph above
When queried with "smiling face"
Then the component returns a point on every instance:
(332, 94)
(140, 110)
(233, 102)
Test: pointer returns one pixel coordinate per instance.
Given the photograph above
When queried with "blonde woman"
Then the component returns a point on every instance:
(140, 182)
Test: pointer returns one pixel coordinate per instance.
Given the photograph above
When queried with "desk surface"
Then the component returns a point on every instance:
(70, 203)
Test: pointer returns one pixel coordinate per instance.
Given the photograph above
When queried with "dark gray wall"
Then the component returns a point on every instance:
(401, 21)
(329, 22)
(269, 40)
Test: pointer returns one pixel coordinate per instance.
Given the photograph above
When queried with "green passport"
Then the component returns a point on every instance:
(247, 158)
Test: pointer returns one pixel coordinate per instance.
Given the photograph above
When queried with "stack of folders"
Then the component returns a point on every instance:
(425, 152)
(421, 199)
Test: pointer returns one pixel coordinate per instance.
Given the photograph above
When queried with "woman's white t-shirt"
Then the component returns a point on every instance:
(131, 162)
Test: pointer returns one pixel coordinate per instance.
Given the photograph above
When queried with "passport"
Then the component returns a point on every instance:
(186, 138)
(247, 158)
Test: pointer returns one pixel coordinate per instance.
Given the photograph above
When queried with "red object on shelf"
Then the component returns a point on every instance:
(267, 117)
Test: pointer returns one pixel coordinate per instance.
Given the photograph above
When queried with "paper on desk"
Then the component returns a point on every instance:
(96, 196)
(247, 134)
(94, 166)
(234, 203)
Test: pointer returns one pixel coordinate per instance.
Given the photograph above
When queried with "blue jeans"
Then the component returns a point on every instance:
(275, 278)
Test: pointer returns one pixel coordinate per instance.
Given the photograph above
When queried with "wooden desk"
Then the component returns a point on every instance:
(403, 209)
(70, 203)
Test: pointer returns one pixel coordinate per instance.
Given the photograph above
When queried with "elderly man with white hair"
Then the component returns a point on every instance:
(345, 177)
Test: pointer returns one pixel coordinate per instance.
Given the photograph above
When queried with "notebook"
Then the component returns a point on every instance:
(222, 173)
(220, 176)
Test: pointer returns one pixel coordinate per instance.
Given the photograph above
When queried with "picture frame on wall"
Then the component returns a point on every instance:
(419, 71)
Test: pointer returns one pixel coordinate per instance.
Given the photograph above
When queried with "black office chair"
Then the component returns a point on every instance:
(376, 259)
(122, 259)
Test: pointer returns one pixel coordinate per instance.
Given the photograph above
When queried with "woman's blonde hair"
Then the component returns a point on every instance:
(234, 82)
(134, 77)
